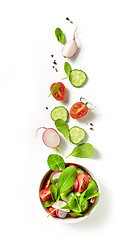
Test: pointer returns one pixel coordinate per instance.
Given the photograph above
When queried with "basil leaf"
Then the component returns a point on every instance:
(55, 162)
(66, 179)
(62, 126)
(67, 68)
(53, 191)
(54, 89)
(48, 203)
(60, 35)
(83, 150)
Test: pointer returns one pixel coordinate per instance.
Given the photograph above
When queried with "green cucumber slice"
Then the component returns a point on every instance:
(77, 78)
(77, 134)
(79, 170)
(59, 113)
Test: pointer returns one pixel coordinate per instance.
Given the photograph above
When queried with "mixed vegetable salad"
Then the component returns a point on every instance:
(68, 191)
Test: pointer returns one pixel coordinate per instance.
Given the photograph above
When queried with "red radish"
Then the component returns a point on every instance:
(83, 181)
(55, 175)
(45, 194)
(76, 185)
(92, 200)
(60, 204)
(56, 184)
(53, 214)
(50, 137)
(61, 213)
(70, 47)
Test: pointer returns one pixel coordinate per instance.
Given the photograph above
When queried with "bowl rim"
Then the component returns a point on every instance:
(70, 220)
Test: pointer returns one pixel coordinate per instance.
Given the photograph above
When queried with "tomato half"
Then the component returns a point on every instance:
(83, 181)
(78, 110)
(45, 194)
(60, 95)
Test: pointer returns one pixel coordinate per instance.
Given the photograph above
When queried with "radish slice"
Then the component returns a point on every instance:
(92, 200)
(76, 185)
(50, 137)
(61, 213)
(60, 204)
(56, 184)
(70, 48)
(55, 175)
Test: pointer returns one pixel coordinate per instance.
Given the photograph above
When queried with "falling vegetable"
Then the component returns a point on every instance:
(70, 48)
(50, 137)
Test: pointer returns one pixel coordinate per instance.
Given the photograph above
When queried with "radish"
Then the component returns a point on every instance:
(76, 185)
(92, 200)
(55, 175)
(60, 204)
(56, 184)
(61, 213)
(70, 47)
(50, 137)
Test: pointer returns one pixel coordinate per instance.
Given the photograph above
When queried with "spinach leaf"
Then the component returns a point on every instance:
(48, 203)
(53, 191)
(67, 68)
(74, 204)
(55, 162)
(83, 150)
(54, 89)
(91, 191)
(66, 179)
(62, 126)
(76, 214)
(60, 35)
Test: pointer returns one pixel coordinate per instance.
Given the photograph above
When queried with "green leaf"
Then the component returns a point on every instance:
(67, 68)
(55, 162)
(53, 191)
(74, 204)
(54, 89)
(62, 126)
(48, 203)
(66, 179)
(91, 191)
(60, 35)
(76, 214)
(83, 150)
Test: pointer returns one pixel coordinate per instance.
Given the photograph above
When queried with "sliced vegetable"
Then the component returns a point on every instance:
(52, 211)
(70, 48)
(60, 35)
(60, 204)
(62, 127)
(45, 194)
(59, 113)
(55, 175)
(77, 134)
(77, 77)
(83, 150)
(55, 162)
(50, 137)
(47, 184)
(76, 185)
(93, 200)
(83, 181)
(61, 213)
(71, 164)
(58, 91)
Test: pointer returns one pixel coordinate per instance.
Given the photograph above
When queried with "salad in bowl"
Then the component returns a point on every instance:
(68, 191)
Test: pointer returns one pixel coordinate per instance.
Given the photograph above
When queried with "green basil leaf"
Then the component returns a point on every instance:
(48, 203)
(62, 126)
(66, 179)
(54, 89)
(53, 191)
(60, 35)
(55, 162)
(83, 150)
(67, 68)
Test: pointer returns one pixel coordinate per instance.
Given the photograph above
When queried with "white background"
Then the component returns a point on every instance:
(106, 38)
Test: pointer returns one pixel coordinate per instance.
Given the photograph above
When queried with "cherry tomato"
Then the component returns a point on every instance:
(45, 194)
(50, 209)
(71, 164)
(78, 110)
(60, 95)
(83, 181)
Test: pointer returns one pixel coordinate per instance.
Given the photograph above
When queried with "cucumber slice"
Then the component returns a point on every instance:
(77, 134)
(59, 112)
(79, 170)
(77, 78)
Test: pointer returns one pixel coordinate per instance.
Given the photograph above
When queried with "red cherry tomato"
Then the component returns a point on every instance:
(78, 110)
(45, 194)
(60, 95)
(83, 181)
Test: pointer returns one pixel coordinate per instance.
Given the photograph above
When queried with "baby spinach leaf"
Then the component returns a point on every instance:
(48, 203)
(62, 126)
(54, 89)
(66, 179)
(83, 150)
(74, 204)
(67, 68)
(53, 191)
(60, 35)
(91, 191)
(76, 214)
(55, 162)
